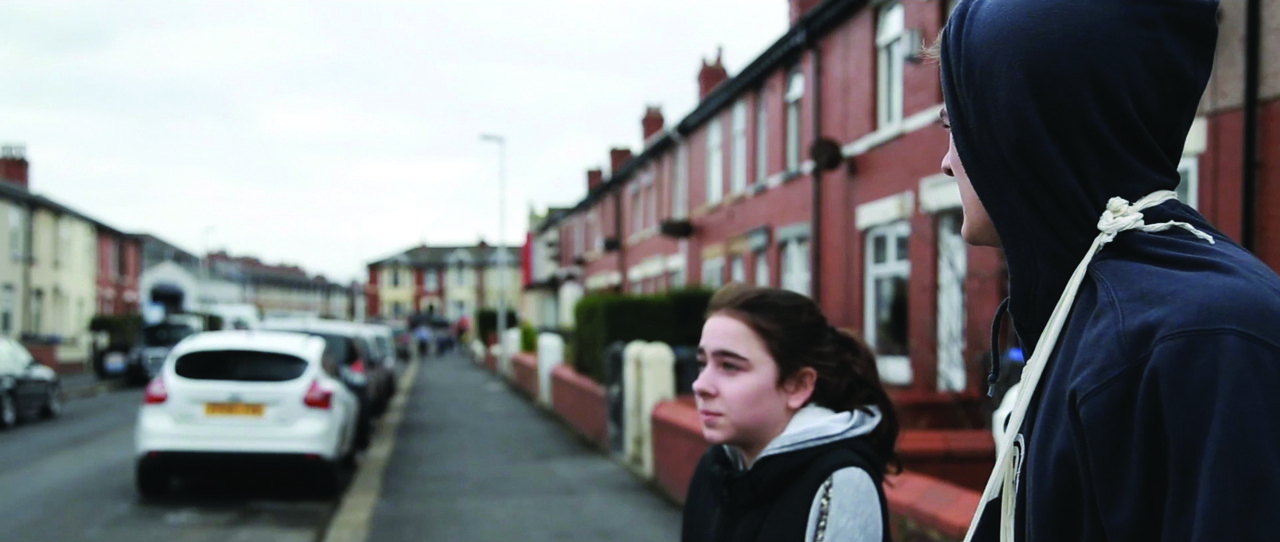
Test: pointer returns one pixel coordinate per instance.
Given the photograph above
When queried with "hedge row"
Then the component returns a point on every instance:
(674, 318)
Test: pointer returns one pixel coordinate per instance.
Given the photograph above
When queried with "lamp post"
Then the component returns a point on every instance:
(502, 246)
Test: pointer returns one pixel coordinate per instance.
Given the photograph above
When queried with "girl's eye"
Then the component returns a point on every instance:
(731, 367)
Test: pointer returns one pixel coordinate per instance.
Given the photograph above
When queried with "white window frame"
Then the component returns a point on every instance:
(579, 236)
(637, 210)
(793, 265)
(1189, 184)
(16, 234)
(395, 277)
(738, 174)
(891, 49)
(713, 268)
(680, 194)
(762, 138)
(597, 236)
(894, 369)
(715, 162)
(737, 270)
(8, 303)
(795, 92)
(762, 268)
(430, 280)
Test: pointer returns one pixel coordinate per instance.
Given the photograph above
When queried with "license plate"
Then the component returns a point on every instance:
(233, 409)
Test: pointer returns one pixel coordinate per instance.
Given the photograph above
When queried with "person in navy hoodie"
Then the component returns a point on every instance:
(1150, 402)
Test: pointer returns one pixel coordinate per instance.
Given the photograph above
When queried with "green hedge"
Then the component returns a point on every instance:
(487, 321)
(602, 319)
(123, 329)
(528, 338)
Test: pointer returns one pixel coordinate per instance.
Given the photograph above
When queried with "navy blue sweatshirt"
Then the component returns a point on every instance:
(1158, 415)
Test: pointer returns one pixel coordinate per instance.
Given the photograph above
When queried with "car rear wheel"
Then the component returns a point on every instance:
(151, 481)
(8, 411)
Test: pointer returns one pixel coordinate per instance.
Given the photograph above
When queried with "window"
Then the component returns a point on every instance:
(891, 43)
(579, 237)
(395, 277)
(738, 175)
(762, 139)
(37, 310)
(715, 163)
(597, 235)
(713, 273)
(794, 272)
(676, 279)
(651, 202)
(886, 293)
(795, 91)
(6, 309)
(762, 268)
(430, 280)
(17, 239)
(637, 211)
(680, 195)
(737, 270)
(397, 310)
(952, 269)
(459, 277)
(1189, 181)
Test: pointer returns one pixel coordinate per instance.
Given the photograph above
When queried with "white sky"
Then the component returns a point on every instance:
(329, 134)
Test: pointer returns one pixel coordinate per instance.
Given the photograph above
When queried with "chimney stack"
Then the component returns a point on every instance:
(801, 7)
(595, 178)
(618, 156)
(711, 75)
(13, 165)
(652, 122)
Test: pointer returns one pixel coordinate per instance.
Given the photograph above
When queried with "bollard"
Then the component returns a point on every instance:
(550, 355)
(633, 412)
(657, 374)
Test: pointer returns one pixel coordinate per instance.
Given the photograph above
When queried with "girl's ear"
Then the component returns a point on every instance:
(799, 388)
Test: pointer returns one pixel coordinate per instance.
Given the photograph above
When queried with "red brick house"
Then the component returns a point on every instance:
(816, 168)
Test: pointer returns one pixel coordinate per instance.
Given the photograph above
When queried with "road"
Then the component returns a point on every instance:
(71, 479)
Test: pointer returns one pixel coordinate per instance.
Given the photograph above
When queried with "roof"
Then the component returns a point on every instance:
(14, 192)
(787, 49)
(295, 344)
(440, 256)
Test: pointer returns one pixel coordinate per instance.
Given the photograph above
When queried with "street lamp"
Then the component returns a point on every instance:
(502, 245)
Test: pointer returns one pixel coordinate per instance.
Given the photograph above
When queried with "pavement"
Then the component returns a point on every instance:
(470, 460)
(79, 386)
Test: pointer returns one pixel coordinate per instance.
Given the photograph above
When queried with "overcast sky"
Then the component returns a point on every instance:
(330, 134)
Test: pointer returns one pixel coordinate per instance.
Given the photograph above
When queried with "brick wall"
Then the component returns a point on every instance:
(581, 402)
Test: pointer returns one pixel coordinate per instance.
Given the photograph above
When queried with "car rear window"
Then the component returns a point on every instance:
(240, 365)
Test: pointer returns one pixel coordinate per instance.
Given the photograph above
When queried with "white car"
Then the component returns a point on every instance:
(231, 397)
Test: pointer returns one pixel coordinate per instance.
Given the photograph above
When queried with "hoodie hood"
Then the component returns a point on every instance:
(1056, 106)
(814, 426)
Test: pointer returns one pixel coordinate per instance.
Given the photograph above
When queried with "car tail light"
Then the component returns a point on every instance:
(156, 393)
(318, 397)
(357, 367)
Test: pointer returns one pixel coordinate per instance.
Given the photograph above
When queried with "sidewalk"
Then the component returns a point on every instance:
(473, 461)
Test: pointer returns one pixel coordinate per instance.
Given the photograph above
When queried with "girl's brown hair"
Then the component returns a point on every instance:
(797, 335)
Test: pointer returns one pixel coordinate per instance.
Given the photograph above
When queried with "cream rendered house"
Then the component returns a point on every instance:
(63, 280)
(13, 256)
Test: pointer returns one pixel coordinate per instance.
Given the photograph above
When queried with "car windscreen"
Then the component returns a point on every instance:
(384, 346)
(166, 334)
(240, 365)
(341, 346)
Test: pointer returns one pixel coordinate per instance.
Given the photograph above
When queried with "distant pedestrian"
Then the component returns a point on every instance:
(802, 431)
(422, 334)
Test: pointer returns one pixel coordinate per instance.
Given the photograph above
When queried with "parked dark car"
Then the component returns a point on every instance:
(153, 347)
(352, 354)
(27, 388)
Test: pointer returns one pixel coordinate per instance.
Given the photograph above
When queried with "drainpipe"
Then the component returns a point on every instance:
(815, 228)
(1249, 154)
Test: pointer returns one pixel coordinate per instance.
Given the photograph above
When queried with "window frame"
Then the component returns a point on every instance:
(715, 162)
(738, 149)
(762, 138)
(761, 258)
(891, 43)
(794, 265)
(892, 267)
(1191, 180)
(713, 267)
(791, 100)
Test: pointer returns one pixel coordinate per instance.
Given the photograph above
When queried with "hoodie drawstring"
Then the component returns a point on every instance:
(1119, 216)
